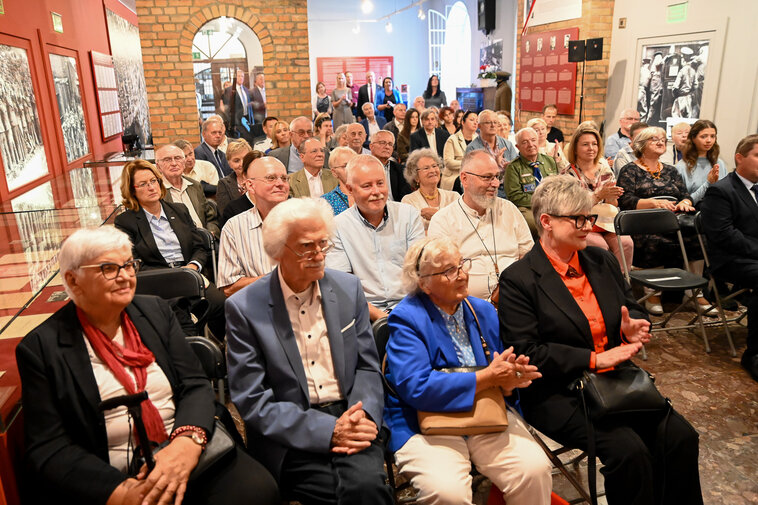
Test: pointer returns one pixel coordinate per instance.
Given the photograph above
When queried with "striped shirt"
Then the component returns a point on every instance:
(241, 252)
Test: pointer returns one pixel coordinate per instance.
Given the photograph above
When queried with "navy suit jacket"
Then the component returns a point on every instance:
(266, 375)
(419, 345)
(379, 120)
(730, 220)
(419, 140)
(363, 98)
(204, 152)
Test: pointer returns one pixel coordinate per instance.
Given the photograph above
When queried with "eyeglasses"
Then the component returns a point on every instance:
(484, 178)
(304, 133)
(487, 123)
(111, 270)
(383, 143)
(658, 140)
(271, 179)
(430, 167)
(312, 249)
(178, 159)
(151, 182)
(453, 273)
(580, 220)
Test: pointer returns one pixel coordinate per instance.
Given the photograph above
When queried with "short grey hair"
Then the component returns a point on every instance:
(340, 153)
(427, 112)
(560, 195)
(423, 254)
(522, 131)
(283, 220)
(411, 165)
(211, 120)
(638, 145)
(300, 118)
(87, 244)
(340, 131)
(383, 132)
(360, 160)
(484, 113)
(301, 149)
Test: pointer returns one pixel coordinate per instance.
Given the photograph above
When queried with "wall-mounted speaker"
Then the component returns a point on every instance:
(486, 15)
(576, 50)
(594, 49)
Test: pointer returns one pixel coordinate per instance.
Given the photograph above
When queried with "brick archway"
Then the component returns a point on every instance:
(166, 35)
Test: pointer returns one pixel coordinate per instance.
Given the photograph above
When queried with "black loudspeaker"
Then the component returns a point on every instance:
(594, 49)
(576, 50)
(486, 14)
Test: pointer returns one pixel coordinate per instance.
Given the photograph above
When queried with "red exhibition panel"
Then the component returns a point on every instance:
(546, 74)
(328, 68)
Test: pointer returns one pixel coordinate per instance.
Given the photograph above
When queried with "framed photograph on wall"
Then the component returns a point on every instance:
(68, 95)
(672, 79)
(21, 143)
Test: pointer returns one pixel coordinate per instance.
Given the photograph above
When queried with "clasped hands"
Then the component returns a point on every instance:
(167, 482)
(637, 333)
(354, 431)
(508, 372)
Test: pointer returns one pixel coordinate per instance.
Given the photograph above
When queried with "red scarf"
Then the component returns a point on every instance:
(133, 354)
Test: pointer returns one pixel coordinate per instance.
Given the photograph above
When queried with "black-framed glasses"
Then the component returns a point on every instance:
(312, 249)
(485, 178)
(112, 270)
(452, 273)
(580, 220)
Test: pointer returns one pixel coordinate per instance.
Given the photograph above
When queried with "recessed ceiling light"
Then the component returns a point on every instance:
(421, 13)
(367, 6)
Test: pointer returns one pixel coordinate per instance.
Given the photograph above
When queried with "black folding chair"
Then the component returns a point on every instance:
(658, 222)
(213, 363)
(209, 244)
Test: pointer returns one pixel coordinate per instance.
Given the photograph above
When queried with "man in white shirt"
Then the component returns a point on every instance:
(312, 180)
(268, 125)
(200, 170)
(491, 230)
(242, 258)
(182, 189)
(373, 236)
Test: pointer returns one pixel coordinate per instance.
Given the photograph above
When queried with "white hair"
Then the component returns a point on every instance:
(425, 255)
(360, 160)
(522, 131)
(340, 153)
(300, 118)
(87, 244)
(283, 220)
(382, 132)
(485, 112)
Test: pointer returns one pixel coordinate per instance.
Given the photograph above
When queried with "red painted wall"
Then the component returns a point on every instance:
(84, 29)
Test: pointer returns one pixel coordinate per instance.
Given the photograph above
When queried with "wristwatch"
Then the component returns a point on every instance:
(194, 433)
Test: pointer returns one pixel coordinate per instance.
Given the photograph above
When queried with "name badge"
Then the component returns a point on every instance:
(529, 188)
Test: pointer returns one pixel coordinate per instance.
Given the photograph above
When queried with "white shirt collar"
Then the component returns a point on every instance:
(312, 292)
(749, 185)
(310, 177)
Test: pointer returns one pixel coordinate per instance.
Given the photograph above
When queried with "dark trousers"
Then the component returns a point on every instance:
(638, 469)
(216, 316)
(239, 480)
(328, 479)
(744, 273)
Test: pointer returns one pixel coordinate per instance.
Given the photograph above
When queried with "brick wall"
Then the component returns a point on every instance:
(596, 21)
(167, 28)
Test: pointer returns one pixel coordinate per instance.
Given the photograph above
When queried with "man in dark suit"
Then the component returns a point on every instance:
(239, 98)
(367, 93)
(213, 135)
(183, 189)
(303, 367)
(730, 220)
(371, 122)
(438, 136)
(258, 102)
(381, 148)
(301, 128)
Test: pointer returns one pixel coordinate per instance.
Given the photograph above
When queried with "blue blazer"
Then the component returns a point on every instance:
(419, 343)
(266, 375)
(379, 120)
(204, 152)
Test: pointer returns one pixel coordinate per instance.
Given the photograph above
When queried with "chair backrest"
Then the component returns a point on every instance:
(210, 356)
(645, 222)
(209, 244)
(381, 336)
(169, 283)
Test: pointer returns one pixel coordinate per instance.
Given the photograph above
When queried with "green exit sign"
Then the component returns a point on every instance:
(676, 13)
(195, 55)
(208, 32)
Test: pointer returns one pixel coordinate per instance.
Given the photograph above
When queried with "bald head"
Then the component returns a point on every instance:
(356, 136)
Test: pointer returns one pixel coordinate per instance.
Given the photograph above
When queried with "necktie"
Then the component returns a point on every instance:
(571, 273)
(370, 92)
(218, 162)
(754, 189)
(535, 166)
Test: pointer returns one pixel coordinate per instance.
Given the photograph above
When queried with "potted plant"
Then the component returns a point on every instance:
(487, 77)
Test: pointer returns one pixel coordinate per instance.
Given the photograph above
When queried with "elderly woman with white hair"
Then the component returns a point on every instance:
(544, 146)
(435, 332)
(568, 308)
(422, 171)
(340, 198)
(105, 343)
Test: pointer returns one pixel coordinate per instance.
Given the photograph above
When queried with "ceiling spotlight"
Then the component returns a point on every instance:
(357, 29)
(421, 13)
(388, 27)
(367, 6)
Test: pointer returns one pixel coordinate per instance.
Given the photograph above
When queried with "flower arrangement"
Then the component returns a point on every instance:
(487, 72)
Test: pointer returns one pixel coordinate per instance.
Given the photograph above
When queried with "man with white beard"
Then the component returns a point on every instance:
(373, 236)
(491, 230)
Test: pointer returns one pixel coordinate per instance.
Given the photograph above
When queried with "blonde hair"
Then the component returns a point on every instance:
(128, 192)
(236, 146)
(638, 144)
(560, 195)
(274, 140)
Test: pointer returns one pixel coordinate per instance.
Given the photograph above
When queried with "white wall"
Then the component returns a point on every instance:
(730, 92)
(408, 44)
(505, 29)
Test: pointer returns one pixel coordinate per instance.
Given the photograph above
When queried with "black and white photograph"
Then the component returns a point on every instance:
(20, 136)
(671, 78)
(127, 61)
(492, 55)
(69, 97)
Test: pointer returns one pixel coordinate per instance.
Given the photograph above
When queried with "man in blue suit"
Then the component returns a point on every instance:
(213, 135)
(730, 220)
(303, 367)
(371, 122)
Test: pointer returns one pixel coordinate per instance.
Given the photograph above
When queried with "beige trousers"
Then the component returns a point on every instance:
(439, 466)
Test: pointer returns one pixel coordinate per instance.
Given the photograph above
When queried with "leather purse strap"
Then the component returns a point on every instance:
(485, 347)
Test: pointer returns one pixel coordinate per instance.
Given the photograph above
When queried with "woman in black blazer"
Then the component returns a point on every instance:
(179, 244)
(71, 362)
(567, 307)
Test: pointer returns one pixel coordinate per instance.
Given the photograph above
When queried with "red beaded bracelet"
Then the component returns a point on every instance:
(197, 433)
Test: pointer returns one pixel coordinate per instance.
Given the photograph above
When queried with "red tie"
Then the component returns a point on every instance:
(370, 92)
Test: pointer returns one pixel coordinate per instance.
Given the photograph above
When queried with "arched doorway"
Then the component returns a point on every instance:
(456, 52)
(220, 48)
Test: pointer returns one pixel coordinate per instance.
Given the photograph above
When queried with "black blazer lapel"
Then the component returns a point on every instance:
(284, 333)
(211, 157)
(743, 193)
(552, 287)
(331, 310)
(146, 233)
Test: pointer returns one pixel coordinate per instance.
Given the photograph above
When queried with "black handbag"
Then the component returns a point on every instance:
(622, 391)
